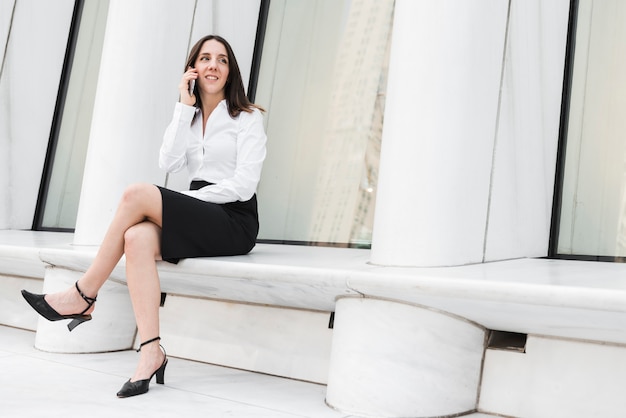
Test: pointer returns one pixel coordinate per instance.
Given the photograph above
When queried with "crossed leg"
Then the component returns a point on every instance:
(142, 248)
(135, 231)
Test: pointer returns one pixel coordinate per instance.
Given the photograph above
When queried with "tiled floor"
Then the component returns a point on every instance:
(39, 384)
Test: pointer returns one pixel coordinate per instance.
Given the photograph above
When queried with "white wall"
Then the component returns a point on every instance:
(28, 92)
(555, 378)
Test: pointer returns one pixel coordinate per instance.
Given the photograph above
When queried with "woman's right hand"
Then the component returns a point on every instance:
(186, 97)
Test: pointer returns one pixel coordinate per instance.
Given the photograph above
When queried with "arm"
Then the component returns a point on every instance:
(177, 137)
(251, 151)
(176, 140)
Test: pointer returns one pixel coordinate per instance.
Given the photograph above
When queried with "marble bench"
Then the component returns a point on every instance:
(421, 332)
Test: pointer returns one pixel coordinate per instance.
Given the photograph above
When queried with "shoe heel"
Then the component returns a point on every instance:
(77, 321)
(160, 374)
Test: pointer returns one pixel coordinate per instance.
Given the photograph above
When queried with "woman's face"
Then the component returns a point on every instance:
(212, 67)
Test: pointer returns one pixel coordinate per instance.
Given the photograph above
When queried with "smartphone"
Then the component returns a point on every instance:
(192, 85)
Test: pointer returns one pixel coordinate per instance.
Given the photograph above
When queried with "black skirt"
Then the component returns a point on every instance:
(195, 228)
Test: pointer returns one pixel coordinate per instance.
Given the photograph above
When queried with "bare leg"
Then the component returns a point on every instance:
(140, 202)
(142, 247)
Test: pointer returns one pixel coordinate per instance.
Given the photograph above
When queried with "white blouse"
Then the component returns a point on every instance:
(230, 154)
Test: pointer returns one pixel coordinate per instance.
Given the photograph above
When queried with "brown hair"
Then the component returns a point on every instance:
(234, 92)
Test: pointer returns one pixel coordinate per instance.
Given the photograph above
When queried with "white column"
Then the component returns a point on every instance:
(144, 52)
(438, 137)
(391, 359)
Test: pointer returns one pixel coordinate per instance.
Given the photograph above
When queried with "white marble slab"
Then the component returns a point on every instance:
(291, 276)
(574, 299)
(557, 379)
(285, 342)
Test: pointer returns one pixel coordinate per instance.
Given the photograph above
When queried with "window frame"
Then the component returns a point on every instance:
(562, 148)
(56, 122)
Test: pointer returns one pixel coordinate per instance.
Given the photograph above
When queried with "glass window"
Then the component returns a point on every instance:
(60, 206)
(323, 79)
(593, 202)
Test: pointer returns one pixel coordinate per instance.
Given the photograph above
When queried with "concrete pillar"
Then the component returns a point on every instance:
(144, 51)
(392, 359)
(438, 136)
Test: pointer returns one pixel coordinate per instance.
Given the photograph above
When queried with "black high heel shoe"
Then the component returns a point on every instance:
(142, 386)
(39, 304)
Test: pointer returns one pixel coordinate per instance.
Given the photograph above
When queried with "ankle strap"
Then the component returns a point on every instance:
(90, 301)
(87, 299)
(148, 342)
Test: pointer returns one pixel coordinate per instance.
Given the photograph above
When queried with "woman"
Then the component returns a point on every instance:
(218, 135)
